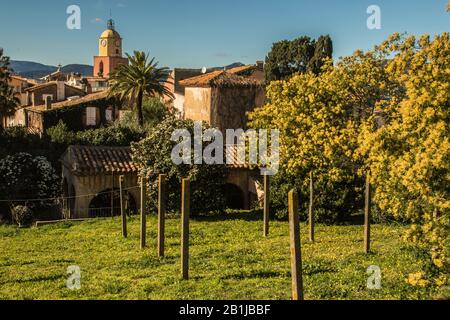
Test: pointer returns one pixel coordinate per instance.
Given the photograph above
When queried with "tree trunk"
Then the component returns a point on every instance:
(139, 109)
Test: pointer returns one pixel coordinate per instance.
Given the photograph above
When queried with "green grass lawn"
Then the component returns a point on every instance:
(229, 259)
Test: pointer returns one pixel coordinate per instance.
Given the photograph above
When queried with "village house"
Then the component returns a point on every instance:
(88, 84)
(222, 99)
(57, 91)
(173, 85)
(35, 95)
(252, 71)
(19, 85)
(88, 112)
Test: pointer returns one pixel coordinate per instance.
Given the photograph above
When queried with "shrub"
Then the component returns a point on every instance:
(116, 135)
(333, 202)
(60, 134)
(22, 215)
(153, 155)
(24, 177)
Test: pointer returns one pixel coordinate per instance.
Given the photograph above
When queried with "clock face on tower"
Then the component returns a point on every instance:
(104, 43)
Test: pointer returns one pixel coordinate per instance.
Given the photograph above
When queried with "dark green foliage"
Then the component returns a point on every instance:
(24, 177)
(116, 135)
(18, 139)
(154, 111)
(334, 202)
(323, 50)
(153, 154)
(299, 55)
(52, 145)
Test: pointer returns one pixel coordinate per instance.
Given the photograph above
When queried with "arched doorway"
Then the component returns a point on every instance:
(234, 196)
(107, 204)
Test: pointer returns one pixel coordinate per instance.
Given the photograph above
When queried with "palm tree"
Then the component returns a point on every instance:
(141, 77)
(8, 98)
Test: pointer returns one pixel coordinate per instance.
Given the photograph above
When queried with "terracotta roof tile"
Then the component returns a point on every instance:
(51, 83)
(237, 70)
(41, 85)
(220, 78)
(70, 103)
(90, 160)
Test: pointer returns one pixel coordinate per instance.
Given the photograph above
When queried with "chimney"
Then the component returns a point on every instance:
(260, 65)
(60, 91)
(48, 103)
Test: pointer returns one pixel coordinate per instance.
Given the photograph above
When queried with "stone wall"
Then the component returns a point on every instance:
(37, 96)
(85, 189)
(230, 105)
(197, 104)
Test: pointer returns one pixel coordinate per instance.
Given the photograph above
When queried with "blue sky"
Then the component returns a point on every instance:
(196, 33)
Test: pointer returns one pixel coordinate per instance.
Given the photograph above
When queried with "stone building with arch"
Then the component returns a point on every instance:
(91, 181)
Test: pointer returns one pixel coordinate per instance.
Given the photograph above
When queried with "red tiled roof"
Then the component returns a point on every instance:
(51, 83)
(89, 160)
(70, 103)
(220, 78)
(237, 70)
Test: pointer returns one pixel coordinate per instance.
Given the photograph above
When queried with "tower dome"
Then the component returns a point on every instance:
(110, 42)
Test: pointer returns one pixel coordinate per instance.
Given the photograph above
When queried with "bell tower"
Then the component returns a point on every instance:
(109, 52)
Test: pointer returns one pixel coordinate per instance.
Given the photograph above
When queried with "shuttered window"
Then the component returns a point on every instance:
(91, 116)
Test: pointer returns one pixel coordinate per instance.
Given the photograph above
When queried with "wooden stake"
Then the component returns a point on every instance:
(311, 207)
(367, 214)
(295, 245)
(143, 216)
(161, 213)
(266, 205)
(122, 209)
(185, 213)
(112, 195)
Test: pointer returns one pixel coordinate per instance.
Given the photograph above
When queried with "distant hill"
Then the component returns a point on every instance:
(84, 69)
(230, 66)
(36, 70)
(235, 65)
